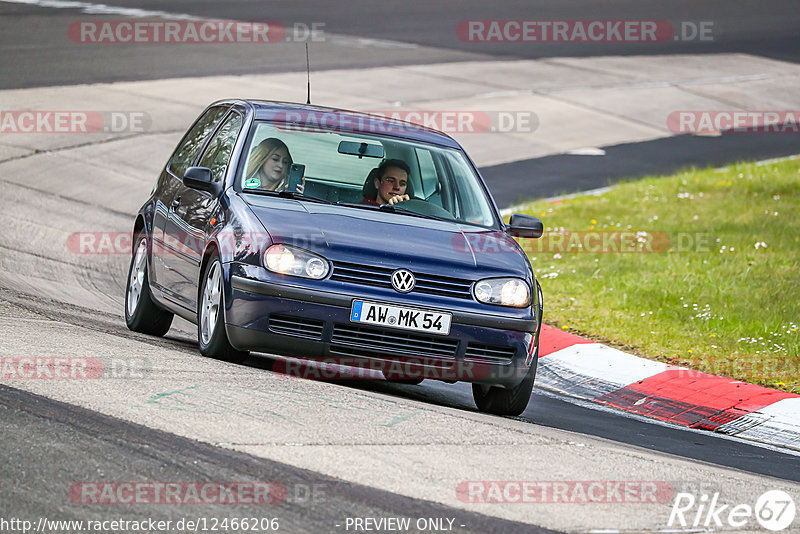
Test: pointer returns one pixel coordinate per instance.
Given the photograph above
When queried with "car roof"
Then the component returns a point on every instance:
(344, 120)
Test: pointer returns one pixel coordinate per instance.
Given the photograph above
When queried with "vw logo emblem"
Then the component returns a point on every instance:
(403, 280)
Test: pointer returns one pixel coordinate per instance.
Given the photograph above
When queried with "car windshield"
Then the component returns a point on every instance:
(342, 168)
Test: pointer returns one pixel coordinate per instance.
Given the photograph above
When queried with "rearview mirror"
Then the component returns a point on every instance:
(200, 178)
(520, 225)
(354, 148)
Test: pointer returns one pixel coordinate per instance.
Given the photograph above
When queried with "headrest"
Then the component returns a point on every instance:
(369, 190)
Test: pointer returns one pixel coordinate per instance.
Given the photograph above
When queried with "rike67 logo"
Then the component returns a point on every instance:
(773, 510)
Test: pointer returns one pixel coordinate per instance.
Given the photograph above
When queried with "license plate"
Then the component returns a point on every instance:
(400, 317)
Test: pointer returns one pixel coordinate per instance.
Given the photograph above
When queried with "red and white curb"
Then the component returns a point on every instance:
(579, 367)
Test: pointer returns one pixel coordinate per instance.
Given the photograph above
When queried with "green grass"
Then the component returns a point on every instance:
(706, 297)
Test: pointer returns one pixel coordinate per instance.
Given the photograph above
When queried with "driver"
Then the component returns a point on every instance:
(391, 182)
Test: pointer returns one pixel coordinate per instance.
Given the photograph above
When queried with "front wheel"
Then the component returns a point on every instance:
(502, 401)
(211, 333)
(142, 314)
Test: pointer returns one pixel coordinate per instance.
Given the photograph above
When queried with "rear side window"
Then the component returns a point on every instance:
(191, 144)
(218, 153)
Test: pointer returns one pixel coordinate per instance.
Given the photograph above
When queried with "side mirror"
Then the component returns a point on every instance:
(200, 178)
(524, 226)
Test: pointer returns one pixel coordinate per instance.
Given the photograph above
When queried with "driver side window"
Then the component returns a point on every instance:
(218, 153)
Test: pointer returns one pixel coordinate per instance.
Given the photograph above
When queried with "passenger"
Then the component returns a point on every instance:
(268, 168)
(391, 183)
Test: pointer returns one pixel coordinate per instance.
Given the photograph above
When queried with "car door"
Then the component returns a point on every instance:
(169, 192)
(188, 223)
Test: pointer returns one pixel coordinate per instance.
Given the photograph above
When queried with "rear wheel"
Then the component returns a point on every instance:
(142, 314)
(211, 333)
(502, 401)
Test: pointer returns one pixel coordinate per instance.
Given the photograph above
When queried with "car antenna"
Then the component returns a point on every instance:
(308, 77)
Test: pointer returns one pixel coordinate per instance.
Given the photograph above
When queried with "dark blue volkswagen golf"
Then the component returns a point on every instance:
(342, 237)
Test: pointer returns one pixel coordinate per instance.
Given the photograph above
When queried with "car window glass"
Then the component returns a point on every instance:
(191, 144)
(427, 171)
(471, 204)
(442, 182)
(318, 151)
(218, 152)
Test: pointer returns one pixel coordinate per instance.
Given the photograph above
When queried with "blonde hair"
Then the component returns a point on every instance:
(262, 152)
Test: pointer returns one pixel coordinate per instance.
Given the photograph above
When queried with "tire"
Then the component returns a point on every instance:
(211, 335)
(142, 314)
(500, 401)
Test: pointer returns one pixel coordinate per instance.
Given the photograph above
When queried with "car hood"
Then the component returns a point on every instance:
(373, 237)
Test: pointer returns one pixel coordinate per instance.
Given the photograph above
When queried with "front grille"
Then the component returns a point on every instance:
(362, 274)
(443, 285)
(490, 353)
(384, 342)
(382, 277)
(295, 326)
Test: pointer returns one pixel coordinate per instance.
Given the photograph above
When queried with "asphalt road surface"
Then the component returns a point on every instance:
(37, 50)
(54, 445)
(340, 449)
(72, 444)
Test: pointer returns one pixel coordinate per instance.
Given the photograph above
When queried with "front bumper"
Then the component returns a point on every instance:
(308, 323)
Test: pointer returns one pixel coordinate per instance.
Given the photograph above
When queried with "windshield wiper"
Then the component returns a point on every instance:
(287, 194)
(356, 205)
(390, 208)
(301, 196)
(394, 208)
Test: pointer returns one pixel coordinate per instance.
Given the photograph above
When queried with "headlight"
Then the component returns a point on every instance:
(503, 292)
(292, 261)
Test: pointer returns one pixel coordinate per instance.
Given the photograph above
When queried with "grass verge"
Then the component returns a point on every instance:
(700, 269)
